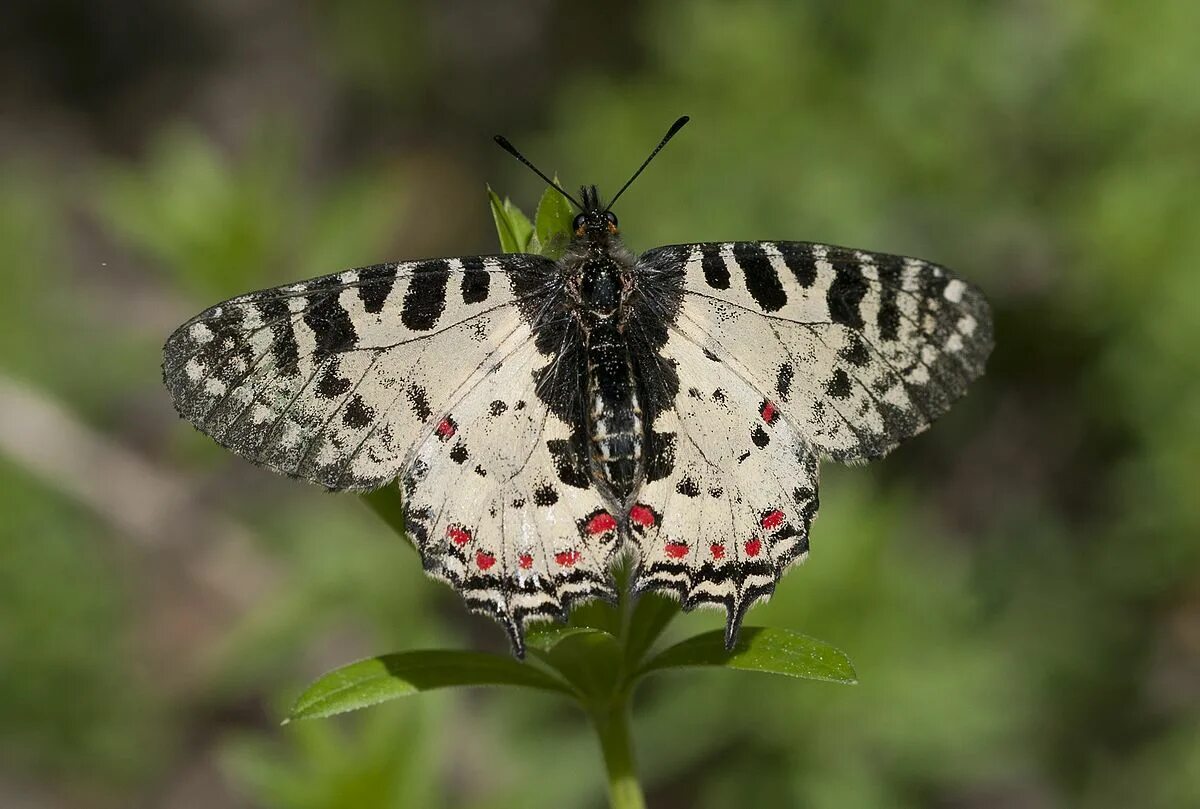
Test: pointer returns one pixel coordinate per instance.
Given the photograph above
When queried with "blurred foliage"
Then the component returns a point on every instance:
(1019, 589)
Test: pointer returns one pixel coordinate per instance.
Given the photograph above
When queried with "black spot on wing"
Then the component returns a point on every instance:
(331, 385)
(475, 280)
(375, 285)
(497, 407)
(459, 454)
(855, 352)
(761, 279)
(847, 290)
(687, 487)
(839, 385)
(799, 260)
(783, 380)
(759, 436)
(660, 455)
(357, 414)
(570, 459)
(545, 495)
(425, 299)
(419, 399)
(716, 274)
(283, 334)
(328, 319)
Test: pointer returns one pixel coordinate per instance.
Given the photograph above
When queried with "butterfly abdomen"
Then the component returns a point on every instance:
(615, 426)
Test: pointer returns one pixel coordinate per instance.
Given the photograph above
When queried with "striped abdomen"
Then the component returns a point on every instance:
(614, 412)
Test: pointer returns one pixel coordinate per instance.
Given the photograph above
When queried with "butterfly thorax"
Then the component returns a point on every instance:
(600, 273)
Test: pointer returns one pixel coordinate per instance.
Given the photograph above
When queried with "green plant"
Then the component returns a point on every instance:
(604, 651)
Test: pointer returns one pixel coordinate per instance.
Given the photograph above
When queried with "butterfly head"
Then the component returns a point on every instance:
(594, 223)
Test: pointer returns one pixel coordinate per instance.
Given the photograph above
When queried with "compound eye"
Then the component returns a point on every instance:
(611, 217)
(577, 225)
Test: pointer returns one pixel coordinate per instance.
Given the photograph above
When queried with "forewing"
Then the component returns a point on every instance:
(860, 350)
(499, 501)
(333, 379)
(732, 510)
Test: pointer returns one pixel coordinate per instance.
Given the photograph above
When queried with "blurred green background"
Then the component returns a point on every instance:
(1019, 588)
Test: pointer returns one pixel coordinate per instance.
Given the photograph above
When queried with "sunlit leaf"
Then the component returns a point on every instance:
(775, 651)
(544, 637)
(553, 223)
(378, 679)
(513, 227)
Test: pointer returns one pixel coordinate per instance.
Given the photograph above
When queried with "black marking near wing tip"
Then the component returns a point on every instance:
(887, 319)
(331, 326)
(716, 274)
(283, 333)
(425, 299)
(762, 281)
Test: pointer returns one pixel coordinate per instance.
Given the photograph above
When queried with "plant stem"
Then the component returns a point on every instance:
(612, 726)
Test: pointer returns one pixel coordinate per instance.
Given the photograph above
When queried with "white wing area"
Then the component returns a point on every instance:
(860, 350)
(735, 511)
(334, 379)
(489, 506)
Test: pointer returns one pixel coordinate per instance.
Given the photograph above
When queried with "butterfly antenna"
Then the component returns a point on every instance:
(675, 127)
(503, 143)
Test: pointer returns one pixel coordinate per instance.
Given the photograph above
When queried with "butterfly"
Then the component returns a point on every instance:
(541, 416)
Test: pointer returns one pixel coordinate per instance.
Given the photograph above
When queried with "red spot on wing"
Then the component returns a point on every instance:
(525, 561)
(600, 522)
(484, 560)
(458, 534)
(753, 547)
(772, 519)
(567, 558)
(717, 550)
(642, 515)
(768, 411)
(446, 428)
(676, 550)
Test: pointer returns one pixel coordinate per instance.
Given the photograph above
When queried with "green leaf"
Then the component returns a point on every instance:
(650, 617)
(775, 651)
(544, 637)
(589, 659)
(388, 504)
(513, 227)
(553, 223)
(378, 679)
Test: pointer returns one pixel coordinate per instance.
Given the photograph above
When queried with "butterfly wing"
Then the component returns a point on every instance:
(785, 352)
(858, 350)
(334, 379)
(733, 509)
(498, 497)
